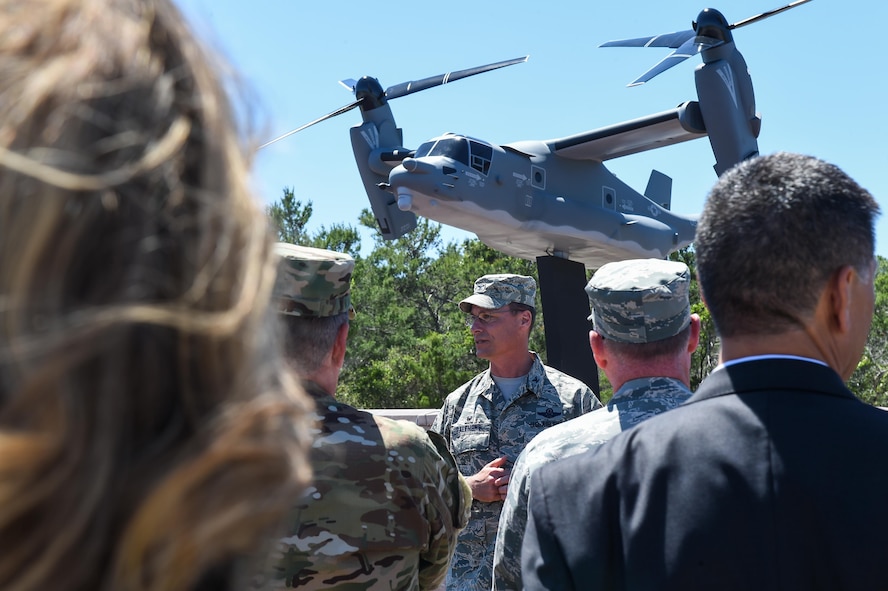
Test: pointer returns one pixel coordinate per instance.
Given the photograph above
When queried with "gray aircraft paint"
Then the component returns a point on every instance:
(556, 197)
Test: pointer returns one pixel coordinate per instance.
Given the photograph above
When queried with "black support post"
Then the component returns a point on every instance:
(565, 312)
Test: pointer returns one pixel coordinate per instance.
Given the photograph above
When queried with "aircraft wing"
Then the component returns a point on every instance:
(630, 137)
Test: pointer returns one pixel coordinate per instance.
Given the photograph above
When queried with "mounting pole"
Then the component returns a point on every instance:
(565, 312)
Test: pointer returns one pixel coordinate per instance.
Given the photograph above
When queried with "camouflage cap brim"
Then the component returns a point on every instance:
(482, 301)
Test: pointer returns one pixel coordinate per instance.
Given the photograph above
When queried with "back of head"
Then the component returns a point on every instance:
(149, 432)
(774, 229)
(641, 307)
(312, 295)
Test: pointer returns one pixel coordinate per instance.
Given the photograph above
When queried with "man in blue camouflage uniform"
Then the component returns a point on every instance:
(488, 420)
(387, 499)
(642, 339)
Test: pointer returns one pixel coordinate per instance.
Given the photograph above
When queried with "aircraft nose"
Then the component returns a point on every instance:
(417, 166)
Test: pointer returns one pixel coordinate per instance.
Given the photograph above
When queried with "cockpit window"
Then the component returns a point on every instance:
(424, 149)
(481, 156)
(468, 152)
(455, 148)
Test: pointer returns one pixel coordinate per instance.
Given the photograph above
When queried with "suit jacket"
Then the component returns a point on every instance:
(772, 476)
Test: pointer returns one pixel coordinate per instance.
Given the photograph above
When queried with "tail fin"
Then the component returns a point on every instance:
(659, 189)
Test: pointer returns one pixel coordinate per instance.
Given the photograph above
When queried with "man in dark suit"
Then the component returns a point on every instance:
(773, 475)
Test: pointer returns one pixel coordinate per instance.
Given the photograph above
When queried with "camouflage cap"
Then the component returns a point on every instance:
(640, 301)
(313, 282)
(495, 291)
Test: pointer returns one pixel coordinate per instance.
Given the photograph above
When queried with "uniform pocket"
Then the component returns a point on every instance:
(470, 437)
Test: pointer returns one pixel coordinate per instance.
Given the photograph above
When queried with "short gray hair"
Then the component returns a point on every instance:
(308, 340)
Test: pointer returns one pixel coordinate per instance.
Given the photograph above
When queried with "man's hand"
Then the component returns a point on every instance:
(491, 483)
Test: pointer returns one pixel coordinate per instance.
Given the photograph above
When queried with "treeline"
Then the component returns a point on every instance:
(408, 344)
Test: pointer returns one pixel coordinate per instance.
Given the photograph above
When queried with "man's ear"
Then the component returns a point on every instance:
(694, 337)
(841, 292)
(339, 345)
(599, 351)
(526, 318)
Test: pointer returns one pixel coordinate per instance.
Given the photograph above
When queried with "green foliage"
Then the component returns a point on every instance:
(410, 377)
(705, 358)
(289, 218)
(340, 238)
(408, 345)
(870, 379)
(605, 389)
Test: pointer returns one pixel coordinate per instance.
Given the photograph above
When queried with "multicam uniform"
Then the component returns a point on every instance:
(480, 426)
(634, 402)
(383, 510)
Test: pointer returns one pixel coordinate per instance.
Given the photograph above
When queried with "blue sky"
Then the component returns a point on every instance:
(817, 71)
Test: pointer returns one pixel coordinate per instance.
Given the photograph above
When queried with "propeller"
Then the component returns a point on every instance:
(766, 14)
(369, 93)
(710, 30)
(338, 111)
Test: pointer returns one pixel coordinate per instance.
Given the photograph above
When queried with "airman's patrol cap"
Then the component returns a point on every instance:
(495, 291)
(313, 282)
(640, 301)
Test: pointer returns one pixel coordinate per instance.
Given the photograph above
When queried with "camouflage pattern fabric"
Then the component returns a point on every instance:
(640, 300)
(312, 282)
(496, 291)
(481, 426)
(382, 512)
(634, 402)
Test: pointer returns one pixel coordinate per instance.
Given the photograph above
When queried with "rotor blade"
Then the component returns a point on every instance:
(765, 15)
(338, 111)
(349, 84)
(405, 88)
(672, 40)
(689, 48)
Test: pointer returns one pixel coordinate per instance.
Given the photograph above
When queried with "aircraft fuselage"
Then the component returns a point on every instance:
(526, 201)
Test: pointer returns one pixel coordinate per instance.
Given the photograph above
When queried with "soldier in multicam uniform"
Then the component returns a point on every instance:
(387, 499)
(642, 339)
(488, 420)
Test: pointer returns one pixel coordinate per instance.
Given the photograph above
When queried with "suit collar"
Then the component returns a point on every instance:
(772, 374)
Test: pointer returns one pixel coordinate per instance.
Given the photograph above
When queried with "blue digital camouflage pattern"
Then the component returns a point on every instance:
(496, 291)
(634, 402)
(382, 512)
(640, 300)
(480, 426)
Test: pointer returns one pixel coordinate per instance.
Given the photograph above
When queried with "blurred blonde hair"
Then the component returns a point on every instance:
(151, 437)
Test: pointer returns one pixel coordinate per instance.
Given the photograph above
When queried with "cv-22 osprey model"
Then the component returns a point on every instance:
(556, 197)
